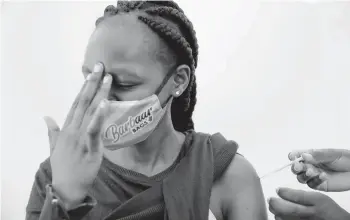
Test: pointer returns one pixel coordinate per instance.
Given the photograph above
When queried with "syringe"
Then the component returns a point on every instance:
(300, 159)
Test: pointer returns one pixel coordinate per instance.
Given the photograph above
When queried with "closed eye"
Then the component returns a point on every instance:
(124, 86)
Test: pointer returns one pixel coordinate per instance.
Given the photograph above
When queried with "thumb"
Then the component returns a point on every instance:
(53, 130)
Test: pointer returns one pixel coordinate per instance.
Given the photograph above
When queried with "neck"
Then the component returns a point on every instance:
(158, 150)
(162, 144)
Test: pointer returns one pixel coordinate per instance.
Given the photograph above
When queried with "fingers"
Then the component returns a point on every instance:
(102, 93)
(320, 179)
(296, 154)
(281, 207)
(317, 183)
(332, 182)
(298, 167)
(73, 107)
(95, 127)
(316, 156)
(53, 130)
(93, 83)
(309, 172)
(296, 196)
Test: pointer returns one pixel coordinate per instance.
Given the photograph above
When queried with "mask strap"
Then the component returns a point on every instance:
(165, 80)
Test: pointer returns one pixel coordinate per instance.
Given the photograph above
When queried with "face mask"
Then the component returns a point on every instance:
(130, 122)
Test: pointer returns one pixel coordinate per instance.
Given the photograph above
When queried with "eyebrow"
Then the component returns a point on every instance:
(118, 73)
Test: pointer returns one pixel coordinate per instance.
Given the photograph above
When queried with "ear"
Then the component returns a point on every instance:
(181, 80)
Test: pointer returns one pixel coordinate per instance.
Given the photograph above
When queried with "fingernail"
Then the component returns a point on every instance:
(297, 168)
(309, 172)
(89, 76)
(98, 68)
(306, 156)
(268, 200)
(277, 190)
(106, 78)
(323, 176)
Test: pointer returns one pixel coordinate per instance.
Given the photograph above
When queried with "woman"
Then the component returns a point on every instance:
(146, 52)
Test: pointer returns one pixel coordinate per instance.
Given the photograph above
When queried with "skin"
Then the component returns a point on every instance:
(322, 169)
(298, 204)
(133, 56)
(120, 43)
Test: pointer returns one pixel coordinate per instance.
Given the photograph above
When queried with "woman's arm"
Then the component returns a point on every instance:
(241, 192)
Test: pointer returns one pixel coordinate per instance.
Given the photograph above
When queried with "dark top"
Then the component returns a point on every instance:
(182, 191)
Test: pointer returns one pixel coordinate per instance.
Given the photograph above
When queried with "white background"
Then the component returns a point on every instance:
(272, 76)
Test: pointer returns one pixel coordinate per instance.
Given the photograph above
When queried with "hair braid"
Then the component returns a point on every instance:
(179, 18)
(182, 40)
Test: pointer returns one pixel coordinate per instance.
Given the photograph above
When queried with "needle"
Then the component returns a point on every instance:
(281, 168)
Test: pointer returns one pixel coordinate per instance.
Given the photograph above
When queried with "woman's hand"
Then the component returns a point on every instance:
(76, 149)
(298, 204)
(323, 169)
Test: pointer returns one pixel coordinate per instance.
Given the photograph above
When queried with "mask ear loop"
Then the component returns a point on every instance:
(164, 82)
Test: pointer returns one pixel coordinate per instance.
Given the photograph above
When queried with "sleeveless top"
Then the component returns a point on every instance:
(182, 191)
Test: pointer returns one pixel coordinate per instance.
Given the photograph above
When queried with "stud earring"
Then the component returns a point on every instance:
(177, 92)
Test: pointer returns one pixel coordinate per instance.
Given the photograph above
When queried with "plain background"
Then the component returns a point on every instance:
(272, 76)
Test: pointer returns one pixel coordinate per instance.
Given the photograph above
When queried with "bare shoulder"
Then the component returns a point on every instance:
(239, 175)
(239, 193)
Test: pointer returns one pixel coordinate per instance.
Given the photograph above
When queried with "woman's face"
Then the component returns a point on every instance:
(128, 49)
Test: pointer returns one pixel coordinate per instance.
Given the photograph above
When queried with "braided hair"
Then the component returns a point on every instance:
(168, 20)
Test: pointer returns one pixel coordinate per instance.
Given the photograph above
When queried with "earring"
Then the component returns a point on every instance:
(177, 93)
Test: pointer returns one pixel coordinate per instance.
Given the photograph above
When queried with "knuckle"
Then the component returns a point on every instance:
(102, 93)
(92, 78)
(92, 132)
(314, 182)
(296, 211)
(90, 110)
(85, 100)
(69, 131)
(71, 135)
(84, 148)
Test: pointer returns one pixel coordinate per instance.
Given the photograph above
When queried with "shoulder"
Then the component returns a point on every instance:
(45, 165)
(44, 173)
(239, 190)
(238, 173)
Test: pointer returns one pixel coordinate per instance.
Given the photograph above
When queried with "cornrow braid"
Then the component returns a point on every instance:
(182, 40)
(187, 28)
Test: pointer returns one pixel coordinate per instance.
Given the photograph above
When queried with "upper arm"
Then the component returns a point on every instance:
(241, 192)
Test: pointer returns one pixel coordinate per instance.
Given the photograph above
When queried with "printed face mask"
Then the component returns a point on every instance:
(130, 122)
